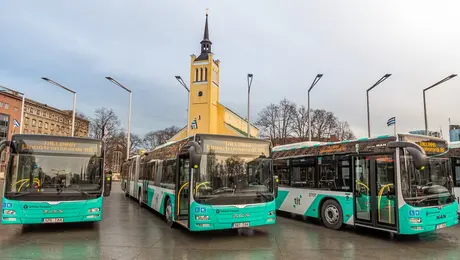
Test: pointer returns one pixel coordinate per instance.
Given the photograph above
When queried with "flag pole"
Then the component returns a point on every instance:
(394, 127)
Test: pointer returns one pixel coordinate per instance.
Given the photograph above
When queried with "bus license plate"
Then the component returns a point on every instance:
(441, 226)
(241, 225)
(53, 220)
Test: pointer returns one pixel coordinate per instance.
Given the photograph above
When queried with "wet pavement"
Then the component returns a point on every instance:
(130, 232)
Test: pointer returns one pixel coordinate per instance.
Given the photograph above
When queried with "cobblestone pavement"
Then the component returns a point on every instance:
(130, 232)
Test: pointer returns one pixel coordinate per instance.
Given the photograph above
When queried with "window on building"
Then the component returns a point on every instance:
(46, 125)
(27, 121)
(33, 131)
(4, 122)
(1, 104)
(7, 105)
(205, 74)
(201, 74)
(52, 126)
(40, 123)
(26, 131)
(196, 74)
(44, 113)
(60, 119)
(34, 122)
(39, 112)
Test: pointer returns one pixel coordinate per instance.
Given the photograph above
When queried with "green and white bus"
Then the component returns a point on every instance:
(206, 182)
(53, 179)
(454, 155)
(397, 184)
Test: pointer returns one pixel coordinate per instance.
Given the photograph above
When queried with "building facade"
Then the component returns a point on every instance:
(454, 133)
(206, 114)
(10, 110)
(42, 119)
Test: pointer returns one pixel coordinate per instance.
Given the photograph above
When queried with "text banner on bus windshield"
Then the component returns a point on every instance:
(48, 146)
(236, 147)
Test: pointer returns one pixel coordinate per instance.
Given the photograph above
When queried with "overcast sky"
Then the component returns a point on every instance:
(144, 44)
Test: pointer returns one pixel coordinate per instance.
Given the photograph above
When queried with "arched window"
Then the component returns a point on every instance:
(201, 74)
(205, 74)
(196, 74)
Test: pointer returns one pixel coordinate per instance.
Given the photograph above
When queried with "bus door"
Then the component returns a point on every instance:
(456, 177)
(375, 200)
(146, 180)
(183, 190)
(130, 177)
(136, 177)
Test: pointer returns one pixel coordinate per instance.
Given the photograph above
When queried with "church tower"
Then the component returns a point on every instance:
(204, 89)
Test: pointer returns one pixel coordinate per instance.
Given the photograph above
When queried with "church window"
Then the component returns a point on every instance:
(205, 74)
(201, 74)
(196, 74)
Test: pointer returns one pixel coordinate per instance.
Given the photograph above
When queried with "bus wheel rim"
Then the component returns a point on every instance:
(332, 214)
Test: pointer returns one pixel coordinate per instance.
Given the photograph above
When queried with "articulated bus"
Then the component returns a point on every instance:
(206, 182)
(401, 184)
(53, 179)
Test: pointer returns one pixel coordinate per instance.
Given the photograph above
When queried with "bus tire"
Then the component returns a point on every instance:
(332, 214)
(169, 213)
(139, 194)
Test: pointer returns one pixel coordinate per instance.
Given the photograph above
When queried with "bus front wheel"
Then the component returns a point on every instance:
(169, 213)
(331, 214)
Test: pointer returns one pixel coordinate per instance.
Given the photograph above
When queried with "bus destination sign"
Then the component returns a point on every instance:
(49, 146)
(236, 147)
(432, 147)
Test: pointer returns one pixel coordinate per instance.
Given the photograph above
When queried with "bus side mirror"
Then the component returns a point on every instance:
(107, 184)
(420, 159)
(195, 153)
(276, 183)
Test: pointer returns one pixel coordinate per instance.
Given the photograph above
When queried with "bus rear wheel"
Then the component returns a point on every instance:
(331, 214)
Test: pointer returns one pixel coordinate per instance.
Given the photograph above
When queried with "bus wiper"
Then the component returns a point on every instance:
(75, 189)
(263, 195)
(19, 194)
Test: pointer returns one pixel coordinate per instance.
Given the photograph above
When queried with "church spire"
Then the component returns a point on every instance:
(205, 43)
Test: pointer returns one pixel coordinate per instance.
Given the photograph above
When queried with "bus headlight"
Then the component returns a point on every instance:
(91, 210)
(415, 220)
(271, 213)
(202, 217)
(9, 212)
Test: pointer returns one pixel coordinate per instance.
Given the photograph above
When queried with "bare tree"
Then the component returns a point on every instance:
(155, 138)
(276, 120)
(280, 122)
(104, 124)
(323, 123)
(300, 122)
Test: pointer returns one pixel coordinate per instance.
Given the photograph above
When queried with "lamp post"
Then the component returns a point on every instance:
(367, 97)
(74, 100)
(23, 103)
(250, 77)
(129, 113)
(424, 99)
(181, 81)
(317, 78)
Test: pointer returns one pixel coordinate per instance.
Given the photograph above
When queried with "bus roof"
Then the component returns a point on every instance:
(372, 144)
(54, 137)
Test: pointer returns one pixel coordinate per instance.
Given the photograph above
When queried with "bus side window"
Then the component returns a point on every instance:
(343, 178)
(327, 173)
(456, 173)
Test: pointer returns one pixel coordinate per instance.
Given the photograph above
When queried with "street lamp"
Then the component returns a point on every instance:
(250, 77)
(23, 103)
(367, 96)
(74, 100)
(424, 100)
(129, 115)
(181, 81)
(317, 78)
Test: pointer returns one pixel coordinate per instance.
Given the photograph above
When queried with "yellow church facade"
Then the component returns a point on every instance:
(206, 114)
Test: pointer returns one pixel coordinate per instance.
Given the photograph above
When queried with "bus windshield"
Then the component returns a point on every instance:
(52, 173)
(430, 186)
(233, 179)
